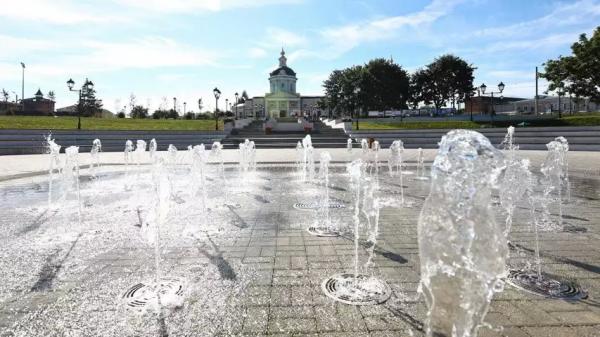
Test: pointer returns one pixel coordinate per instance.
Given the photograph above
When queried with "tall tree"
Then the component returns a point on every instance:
(90, 106)
(386, 85)
(447, 77)
(51, 95)
(578, 74)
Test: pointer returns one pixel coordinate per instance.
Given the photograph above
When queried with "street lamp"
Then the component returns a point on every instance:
(356, 93)
(227, 105)
(482, 89)
(217, 94)
(175, 104)
(236, 104)
(560, 93)
(23, 87)
(200, 105)
(184, 106)
(89, 86)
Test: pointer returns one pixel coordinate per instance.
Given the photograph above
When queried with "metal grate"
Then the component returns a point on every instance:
(323, 231)
(545, 285)
(142, 295)
(316, 205)
(362, 290)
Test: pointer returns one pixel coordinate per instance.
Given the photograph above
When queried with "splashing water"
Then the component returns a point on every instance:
(300, 160)
(324, 225)
(420, 166)
(127, 158)
(553, 180)
(514, 184)
(461, 248)
(53, 150)
(140, 150)
(95, 154)
(153, 148)
(565, 166)
(349, 144)
(70, 174)
(395, 164)
(199, 159)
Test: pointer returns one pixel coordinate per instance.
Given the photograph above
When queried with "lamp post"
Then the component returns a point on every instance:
(356, 93)
(482, 88)
(200, 105)
(184, 106)
(175, 104)
(23, 87)
(236, 105)
(227, 105)
(89, 86)
(560, 93)
(217, 94)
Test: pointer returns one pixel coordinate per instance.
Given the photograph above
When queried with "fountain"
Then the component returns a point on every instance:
(554, 180)
(533, 280)
(171, 163)
(375, 154)
(95, 154)
(357, 288)
(128, 153)
(395, 164)
(420, 166)
(163, 292)
(515, 183)
(199, 159)
(349, 144)
(53, 150)
(324, 226)
(300, 160)
(461, 248)
(70, 173)
(153, 148)
(140, 150)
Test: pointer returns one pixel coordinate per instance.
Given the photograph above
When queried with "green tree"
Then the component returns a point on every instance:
(447, 77)
(51, 96)
(578, 74)
(139, 111)
(90, 106)
(386, 85)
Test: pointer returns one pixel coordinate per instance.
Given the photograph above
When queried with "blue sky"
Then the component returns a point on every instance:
(184, 48)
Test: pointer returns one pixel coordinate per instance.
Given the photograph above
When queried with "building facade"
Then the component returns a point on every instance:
(282, 100)
(38, 105)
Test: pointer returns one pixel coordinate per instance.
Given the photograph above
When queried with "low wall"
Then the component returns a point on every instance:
(34, 141)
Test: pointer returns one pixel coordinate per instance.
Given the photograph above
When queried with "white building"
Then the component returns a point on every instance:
(282, 101)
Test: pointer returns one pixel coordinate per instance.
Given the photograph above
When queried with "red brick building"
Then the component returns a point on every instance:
(37, 105)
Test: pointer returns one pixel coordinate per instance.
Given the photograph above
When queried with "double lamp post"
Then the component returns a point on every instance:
(481, 92)
(89, 85)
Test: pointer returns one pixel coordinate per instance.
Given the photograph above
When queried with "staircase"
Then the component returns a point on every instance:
(322, 137)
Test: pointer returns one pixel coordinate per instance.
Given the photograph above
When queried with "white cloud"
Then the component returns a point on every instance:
(256, 52)
(61, 12)
(200, 5)
(339, 40)
(577, 13)
(284, 38)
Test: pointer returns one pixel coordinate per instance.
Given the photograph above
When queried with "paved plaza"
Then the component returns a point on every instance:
(252, 268)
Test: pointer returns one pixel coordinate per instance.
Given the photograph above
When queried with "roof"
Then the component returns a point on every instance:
(284, 70)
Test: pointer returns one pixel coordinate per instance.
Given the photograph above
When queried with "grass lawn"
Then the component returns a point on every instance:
(89, 123)
(577, 120)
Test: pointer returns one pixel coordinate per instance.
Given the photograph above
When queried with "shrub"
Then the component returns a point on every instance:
(121, 115)
(188, 115)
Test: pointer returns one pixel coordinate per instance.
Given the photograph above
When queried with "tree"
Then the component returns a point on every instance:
(447, 77)
(578, 74)
(132, 103)
(121, 114)
(244, 97)
(51, 96)
(90, 106)
(139, 111)
(189, 115)
(386, 85)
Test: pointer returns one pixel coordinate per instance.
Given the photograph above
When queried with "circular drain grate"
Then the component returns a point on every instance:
(364, 290)
(322, 231)
(316, 205)
(142, 295)
(574, 229)
(546, 285)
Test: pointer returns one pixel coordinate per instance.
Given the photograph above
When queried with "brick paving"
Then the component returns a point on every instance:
(257, 271)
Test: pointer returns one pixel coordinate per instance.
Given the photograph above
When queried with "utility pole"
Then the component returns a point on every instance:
(536, 90)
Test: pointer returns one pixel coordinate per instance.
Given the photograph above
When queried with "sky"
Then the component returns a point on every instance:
(160, 49)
